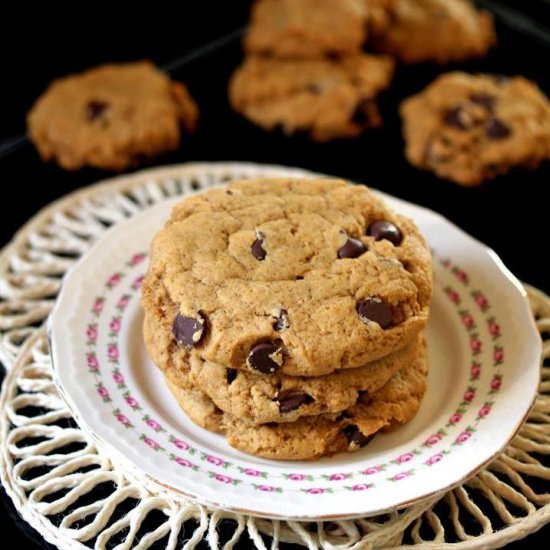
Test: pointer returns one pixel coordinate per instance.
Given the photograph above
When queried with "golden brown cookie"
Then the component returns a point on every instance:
(311, 437)
(327, 99)
(300, 276)
(278, 398)
(430, 30)
(112, 117)
(469, 128)
(306, 28)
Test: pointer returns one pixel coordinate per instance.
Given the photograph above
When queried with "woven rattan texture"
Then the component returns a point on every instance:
(77, 496)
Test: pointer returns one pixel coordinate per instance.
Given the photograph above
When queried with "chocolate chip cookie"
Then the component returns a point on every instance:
(296, 276)
(312, 437)
(430, 30)
(276, 398)
(323, 98)
(469, 128)
(306, 28)
(112, 117)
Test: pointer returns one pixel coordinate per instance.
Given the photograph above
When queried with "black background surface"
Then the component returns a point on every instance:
(509, 214)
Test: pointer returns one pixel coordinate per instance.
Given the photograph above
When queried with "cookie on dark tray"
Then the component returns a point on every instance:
(470, 128)
(111, 117)
(430, 30)
(306, 28)
(323, 98)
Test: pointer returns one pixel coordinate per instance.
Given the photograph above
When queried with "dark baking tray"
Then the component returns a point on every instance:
(510, 214)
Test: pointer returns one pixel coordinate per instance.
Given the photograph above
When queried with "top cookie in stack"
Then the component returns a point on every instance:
(289, 301)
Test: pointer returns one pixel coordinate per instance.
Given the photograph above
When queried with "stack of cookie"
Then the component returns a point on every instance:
(288, 314)
(305, 71)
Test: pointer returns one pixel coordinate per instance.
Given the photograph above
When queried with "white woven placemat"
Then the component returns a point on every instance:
(67, 487)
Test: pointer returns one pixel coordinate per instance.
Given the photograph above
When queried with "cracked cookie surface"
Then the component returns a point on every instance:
(469, 128)
(311, 303)
(324, 98)
(112, 117)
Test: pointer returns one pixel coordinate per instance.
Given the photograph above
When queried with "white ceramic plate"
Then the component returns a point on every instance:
(484, 354)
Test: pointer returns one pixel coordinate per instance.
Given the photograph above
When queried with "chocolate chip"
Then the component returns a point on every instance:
(299, 277)
(356, 438)
(363, 113)
(486, 100)
(455, 118)
(257, 249)
(231, 374)
(496, 129)
(316, 88)
(265, 357)
(95, 109)
(376, 310)
(281, 321)
(501, 79)
(383, 229)
(293, 401)
(439, 150)
(353, 248)
(188, 331)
